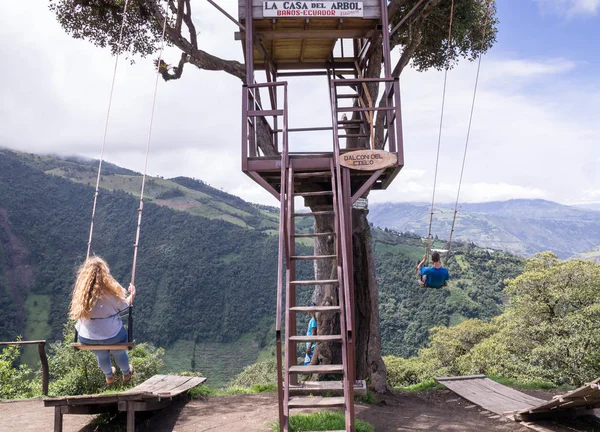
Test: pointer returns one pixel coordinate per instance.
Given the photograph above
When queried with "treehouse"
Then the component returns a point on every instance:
(286, 39)
(344, 45)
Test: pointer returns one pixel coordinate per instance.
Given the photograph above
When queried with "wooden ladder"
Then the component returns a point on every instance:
(289, 399)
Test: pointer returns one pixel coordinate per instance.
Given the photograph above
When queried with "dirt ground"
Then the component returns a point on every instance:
(438, 410)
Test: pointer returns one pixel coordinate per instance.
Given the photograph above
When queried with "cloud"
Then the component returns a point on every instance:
(570, 8)
(534, 132)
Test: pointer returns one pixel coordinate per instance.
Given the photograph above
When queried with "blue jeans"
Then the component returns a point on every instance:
(103, 356)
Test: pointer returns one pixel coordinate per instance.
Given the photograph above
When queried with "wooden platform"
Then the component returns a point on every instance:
(154, 393)
(488, 394)
(518, 406)
(574, 403)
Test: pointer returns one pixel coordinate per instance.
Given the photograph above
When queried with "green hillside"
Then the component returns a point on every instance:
(207, 265)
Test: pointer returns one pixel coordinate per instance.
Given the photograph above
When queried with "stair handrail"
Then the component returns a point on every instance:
(283, 254)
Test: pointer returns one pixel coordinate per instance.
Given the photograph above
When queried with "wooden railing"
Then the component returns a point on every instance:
(43, 359)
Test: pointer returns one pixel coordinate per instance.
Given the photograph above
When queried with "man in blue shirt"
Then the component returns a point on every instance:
(432, 277)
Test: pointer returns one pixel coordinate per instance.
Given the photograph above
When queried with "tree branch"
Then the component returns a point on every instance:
(394, 6)
(203, 60)
(180, 12)
(165, 70)
(417, 25)
(187, 18)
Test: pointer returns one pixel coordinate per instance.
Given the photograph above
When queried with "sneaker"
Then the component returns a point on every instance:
(127, 377)
(110, 380)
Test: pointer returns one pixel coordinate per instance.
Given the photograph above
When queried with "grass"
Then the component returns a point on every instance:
(207, 391)
(323, 421)
(37, 308)
(415, 253)
(529, 385)
(429, 384)
(369, 398)
(217, 360)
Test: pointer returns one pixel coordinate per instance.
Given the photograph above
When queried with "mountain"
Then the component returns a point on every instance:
(206, 275)
(519, 226)
(590, 255)
(590, 206)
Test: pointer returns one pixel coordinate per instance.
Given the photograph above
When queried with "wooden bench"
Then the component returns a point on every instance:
(153, 394)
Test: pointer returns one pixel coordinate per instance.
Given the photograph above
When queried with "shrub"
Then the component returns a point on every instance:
(14, 381)
(263, 373)
(403, 372)
(77, 372)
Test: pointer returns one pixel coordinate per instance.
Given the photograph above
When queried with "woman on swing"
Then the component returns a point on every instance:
(97, 303)
(432, 277)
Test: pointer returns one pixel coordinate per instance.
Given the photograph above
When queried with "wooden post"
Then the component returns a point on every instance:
(130, 416)
(58, 417)
(44, 361)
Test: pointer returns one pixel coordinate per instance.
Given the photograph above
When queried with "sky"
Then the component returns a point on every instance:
(535, 127)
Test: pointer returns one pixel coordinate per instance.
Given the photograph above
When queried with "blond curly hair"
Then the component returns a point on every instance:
(94, 281)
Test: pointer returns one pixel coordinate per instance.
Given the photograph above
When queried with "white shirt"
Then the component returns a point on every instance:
(105, 320)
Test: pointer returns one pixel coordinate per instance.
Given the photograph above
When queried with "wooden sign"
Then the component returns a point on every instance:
(368, 160)
(312, 9)
(361, 204)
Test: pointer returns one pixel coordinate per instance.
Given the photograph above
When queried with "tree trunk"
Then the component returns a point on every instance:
(367, 337)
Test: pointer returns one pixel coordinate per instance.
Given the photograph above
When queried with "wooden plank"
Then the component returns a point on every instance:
(58, 419)
(322, 338)
(169, 383)
(314, 282)
(315, 309)
(584, 396)
(459, 378)
(23, 342)
(337, 368)
(316, 402)
(193, 382)
(330, 35)
(151, 405)
(317, 388)
(130, 417)
(488, 394)
(114, 347)
(145, 386)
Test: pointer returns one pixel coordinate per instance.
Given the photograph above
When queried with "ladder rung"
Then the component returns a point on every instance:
(314, 234)
(316, 402)
(315, 309)
(323, 369)
(313, 257)
(316, 338)
(314, 282)
(347, 96)
(350, 121)
(312, 174)
(305, 194)
(354, 135)
(317, 213)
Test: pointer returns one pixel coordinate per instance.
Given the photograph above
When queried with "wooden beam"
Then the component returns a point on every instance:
(307, 64)
(304, 41)
(309, 34)
(58, 419)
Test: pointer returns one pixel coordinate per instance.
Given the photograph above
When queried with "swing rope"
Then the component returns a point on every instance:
(487, 14)
(112, 88)
(141, 207)
(437, 158)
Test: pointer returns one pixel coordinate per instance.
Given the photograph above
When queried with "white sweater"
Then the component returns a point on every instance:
(105, 320)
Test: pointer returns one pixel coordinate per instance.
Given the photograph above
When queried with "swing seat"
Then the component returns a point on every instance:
(113, 347)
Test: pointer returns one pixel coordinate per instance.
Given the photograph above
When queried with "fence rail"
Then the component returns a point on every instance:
(43, 359)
